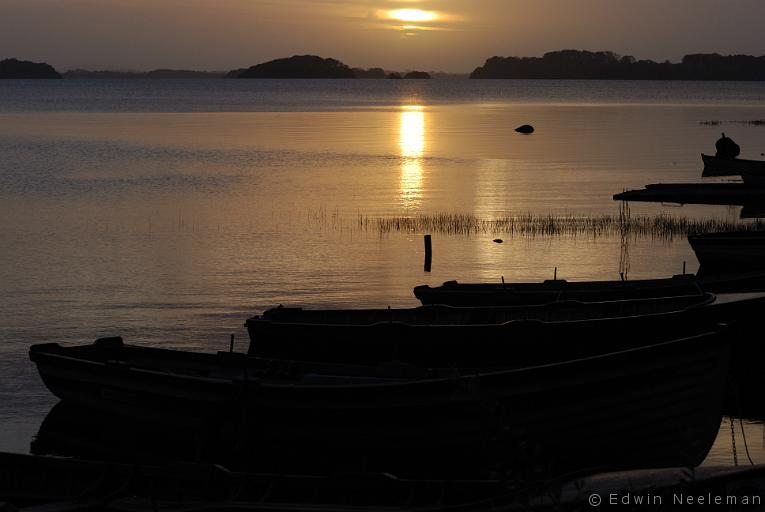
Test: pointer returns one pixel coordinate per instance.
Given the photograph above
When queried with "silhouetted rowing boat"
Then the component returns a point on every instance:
(752, 171)
(651, 406)
(748, 195)
(718, 277)
(452, 293)
(730, 253)
(490, 337)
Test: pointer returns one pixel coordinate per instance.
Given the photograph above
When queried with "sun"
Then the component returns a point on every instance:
(412, 15)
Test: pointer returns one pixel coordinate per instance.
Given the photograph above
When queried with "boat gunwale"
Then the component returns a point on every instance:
(402, 383)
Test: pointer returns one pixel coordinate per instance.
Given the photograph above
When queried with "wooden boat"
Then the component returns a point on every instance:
(452, 293)
(730, 253)
(650, 406)
(489, 337)
(716, 166)
(742, 194)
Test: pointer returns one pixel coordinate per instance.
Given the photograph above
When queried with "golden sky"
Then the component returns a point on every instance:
(449, 35)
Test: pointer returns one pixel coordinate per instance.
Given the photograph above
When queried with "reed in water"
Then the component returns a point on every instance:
(623, 224)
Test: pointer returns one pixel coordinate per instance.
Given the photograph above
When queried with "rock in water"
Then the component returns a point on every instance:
(525, 129)
(497, 240)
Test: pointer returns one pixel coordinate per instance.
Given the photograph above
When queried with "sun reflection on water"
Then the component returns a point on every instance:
(412, 148)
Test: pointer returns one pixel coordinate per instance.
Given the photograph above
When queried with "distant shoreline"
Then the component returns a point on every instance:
(585, 65)
(558, 65)
(140, 76)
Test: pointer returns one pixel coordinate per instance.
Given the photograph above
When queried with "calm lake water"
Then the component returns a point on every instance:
(169, 211)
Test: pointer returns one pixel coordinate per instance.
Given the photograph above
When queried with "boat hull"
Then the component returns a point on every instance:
(656, 406)
(716, 166)
(452, 293)
(729, 253)
(295, 334)
(750, 196)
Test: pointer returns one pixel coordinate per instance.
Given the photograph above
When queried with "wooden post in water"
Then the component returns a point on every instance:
(231, 347)
(428, 253)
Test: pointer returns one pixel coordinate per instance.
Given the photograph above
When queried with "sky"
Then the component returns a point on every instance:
(431, 35)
